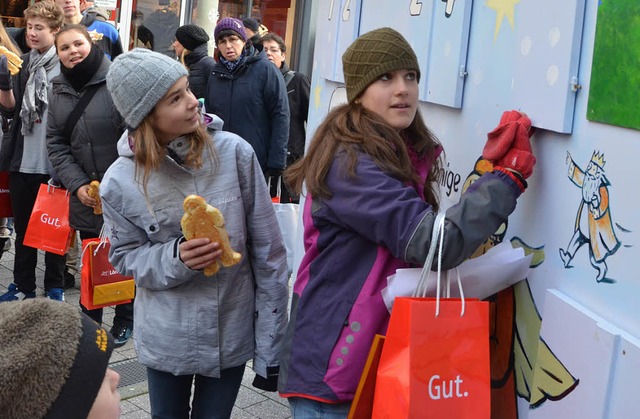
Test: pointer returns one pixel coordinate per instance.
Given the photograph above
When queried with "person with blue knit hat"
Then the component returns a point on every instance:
(192, 330)
(248, 93)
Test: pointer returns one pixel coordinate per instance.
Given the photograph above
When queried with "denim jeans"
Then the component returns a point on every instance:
(213, 398)
(302, 408)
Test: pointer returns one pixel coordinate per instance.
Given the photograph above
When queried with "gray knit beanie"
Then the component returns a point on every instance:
(53, 360)
(138, 79)
(374, 54)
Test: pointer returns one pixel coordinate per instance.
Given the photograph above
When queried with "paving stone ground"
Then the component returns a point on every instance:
(251, 402)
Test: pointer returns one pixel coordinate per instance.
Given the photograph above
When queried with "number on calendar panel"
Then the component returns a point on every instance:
(449, 7)
(415, 8)
(346, 11)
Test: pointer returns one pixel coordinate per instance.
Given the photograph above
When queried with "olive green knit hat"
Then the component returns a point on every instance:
(373, 54)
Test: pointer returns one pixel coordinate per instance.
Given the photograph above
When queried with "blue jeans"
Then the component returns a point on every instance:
(213, 398)
(302, 408)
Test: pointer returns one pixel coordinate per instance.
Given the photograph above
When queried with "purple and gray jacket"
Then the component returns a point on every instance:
(372, 225)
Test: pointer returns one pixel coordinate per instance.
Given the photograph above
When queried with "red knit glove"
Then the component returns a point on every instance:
(508, 145)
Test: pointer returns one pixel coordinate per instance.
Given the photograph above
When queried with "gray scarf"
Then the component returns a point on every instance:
(34, 102)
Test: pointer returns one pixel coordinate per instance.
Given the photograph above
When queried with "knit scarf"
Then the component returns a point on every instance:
(232, 65)
(80, 74)
(34, 103)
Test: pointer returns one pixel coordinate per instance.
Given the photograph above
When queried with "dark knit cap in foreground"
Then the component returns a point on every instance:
(53, 360)
(191, 36)
(374, 54)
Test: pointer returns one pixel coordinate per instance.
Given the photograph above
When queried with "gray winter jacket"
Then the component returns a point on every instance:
(187, 323)
(92, 147)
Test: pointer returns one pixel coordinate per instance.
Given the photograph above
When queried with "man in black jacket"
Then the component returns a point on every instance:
(298, 87)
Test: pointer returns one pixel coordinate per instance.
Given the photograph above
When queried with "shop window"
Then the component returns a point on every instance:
(11, 12)
(275, 15)
(154, 24)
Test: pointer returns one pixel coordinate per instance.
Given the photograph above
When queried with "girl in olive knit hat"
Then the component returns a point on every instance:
(371, 201)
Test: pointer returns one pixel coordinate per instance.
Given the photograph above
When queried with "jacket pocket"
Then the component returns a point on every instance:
(163, 224)
(165, 325)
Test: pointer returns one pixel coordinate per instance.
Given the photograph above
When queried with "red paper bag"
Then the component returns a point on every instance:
(101, 285)
(362, 405)
(5, 200)
(435, 367)
(48, 227)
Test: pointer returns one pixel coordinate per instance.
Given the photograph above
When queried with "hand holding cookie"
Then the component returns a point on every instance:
(93, 192)
(201, 220)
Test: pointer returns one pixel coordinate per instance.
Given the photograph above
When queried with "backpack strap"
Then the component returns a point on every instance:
(75, 114)
(288, 76)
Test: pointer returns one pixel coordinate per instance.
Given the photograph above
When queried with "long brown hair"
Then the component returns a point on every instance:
(149, 153)
(352, 128)
(7, 42)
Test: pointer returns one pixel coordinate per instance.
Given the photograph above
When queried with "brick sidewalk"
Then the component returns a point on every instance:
(251, 403)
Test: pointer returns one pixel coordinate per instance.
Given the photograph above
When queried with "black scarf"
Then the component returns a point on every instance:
(81, 73)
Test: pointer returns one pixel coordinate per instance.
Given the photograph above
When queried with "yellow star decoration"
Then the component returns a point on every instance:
(503, 8)
(316, 93)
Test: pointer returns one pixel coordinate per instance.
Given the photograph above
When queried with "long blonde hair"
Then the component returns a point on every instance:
(185, 52)
(149, 153)
(7, 42)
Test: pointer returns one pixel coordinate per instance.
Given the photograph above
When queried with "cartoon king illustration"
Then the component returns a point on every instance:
(598, 232)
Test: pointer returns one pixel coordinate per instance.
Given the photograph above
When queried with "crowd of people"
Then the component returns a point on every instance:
(154, 129)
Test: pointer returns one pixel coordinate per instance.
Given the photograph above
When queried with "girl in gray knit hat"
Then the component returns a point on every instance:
(370, 174)
(191, 327)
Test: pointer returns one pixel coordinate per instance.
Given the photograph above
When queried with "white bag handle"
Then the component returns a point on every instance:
(278, 187)
(421, 290)
(103, 241)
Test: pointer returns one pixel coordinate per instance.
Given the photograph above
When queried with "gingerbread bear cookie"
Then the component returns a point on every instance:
(202, 220)
(93, 192)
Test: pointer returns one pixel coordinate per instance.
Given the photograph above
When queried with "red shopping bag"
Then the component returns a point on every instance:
(362, 404)
(5, 200)
(100, 284)
(435, 366)
(48, 227)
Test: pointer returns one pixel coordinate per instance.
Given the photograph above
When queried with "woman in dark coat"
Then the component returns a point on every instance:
(191, 48)
(248, 93)
(84, 153)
